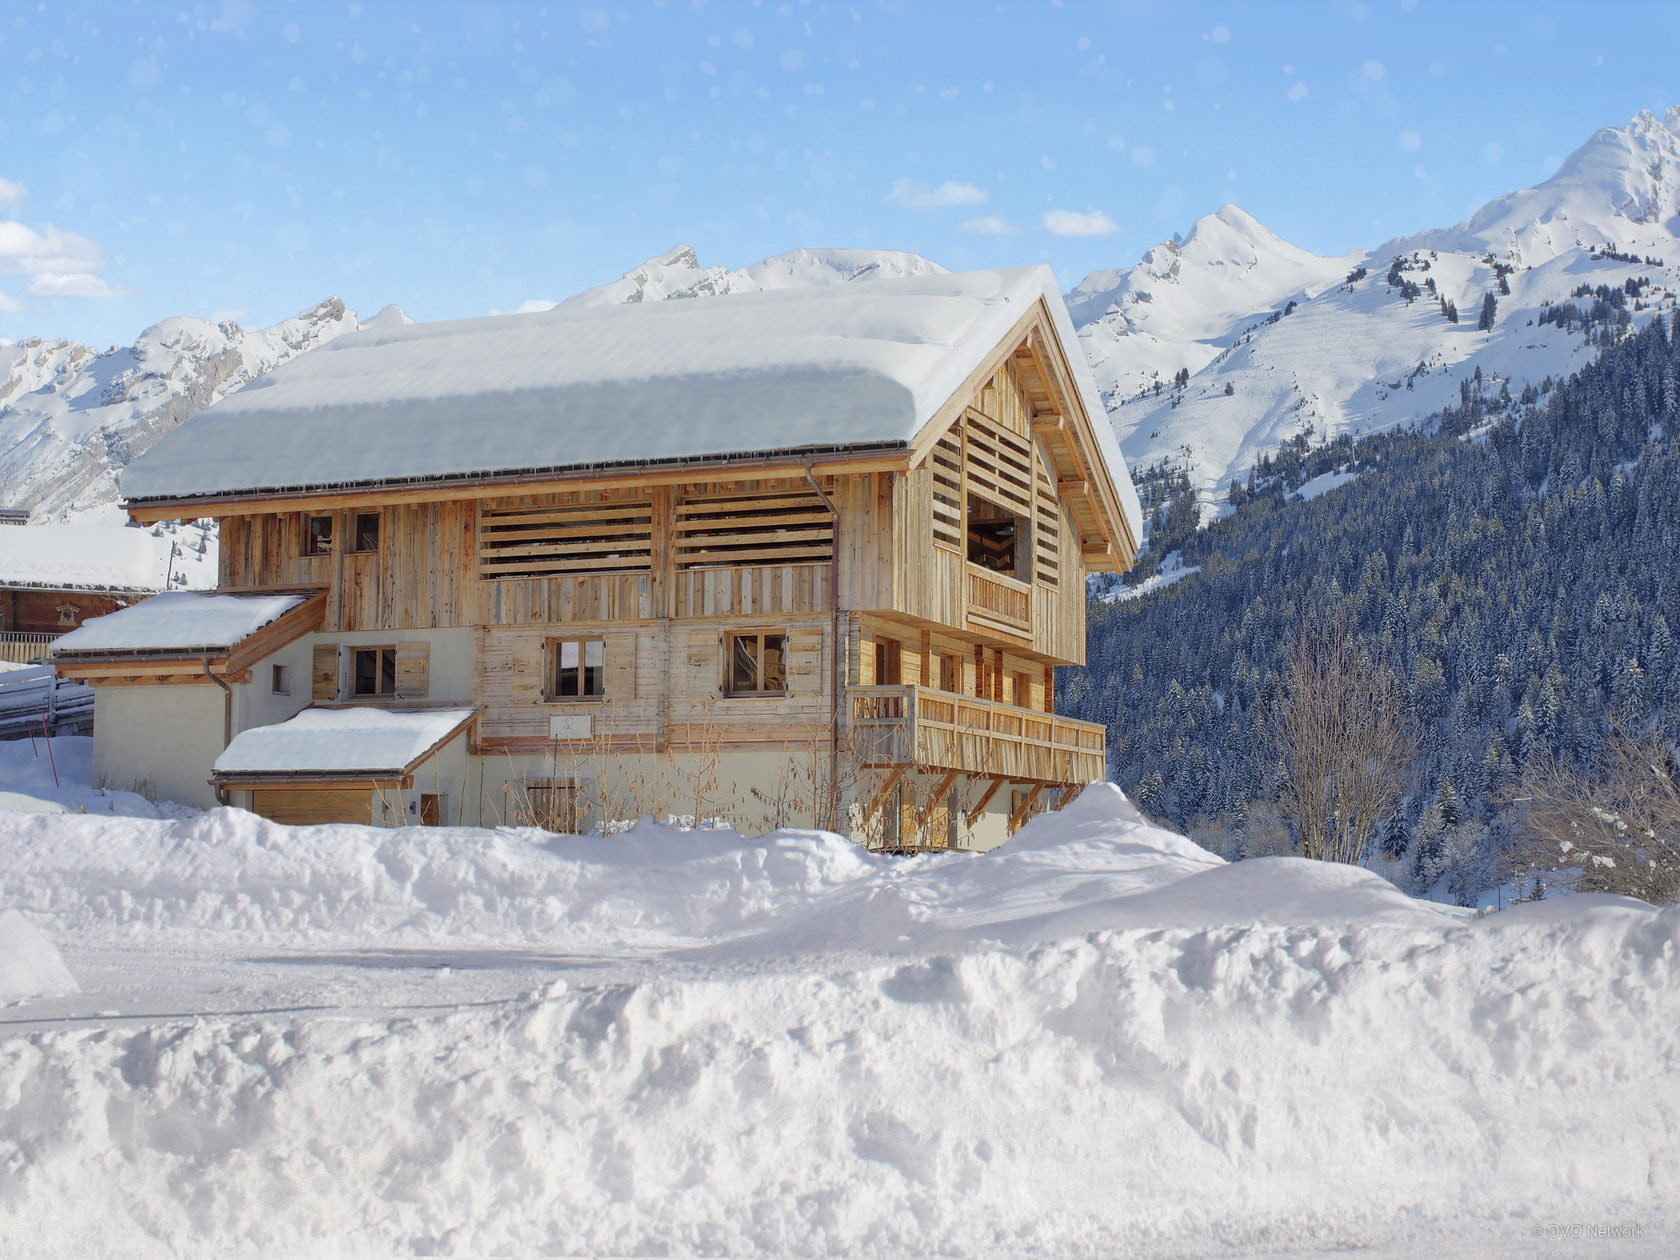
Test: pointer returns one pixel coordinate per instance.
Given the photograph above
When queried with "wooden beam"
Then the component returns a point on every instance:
(880, 797)
(973, 815)
(1074, 486)
(1019, 816)
(943, 787)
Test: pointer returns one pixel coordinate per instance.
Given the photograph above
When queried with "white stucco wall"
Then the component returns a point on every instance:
(160, 741)
(449, 662)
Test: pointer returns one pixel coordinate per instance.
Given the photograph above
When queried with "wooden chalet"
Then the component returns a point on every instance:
(808, 556)
(55, 577)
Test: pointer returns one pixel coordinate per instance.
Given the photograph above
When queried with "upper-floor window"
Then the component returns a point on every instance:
(366, 535)
(577, 669)
(756, 664)
(319, 538)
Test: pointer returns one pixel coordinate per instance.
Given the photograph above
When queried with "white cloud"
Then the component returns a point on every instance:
(1410, 141)
(1373, 71)
(11, 192)
(1143, 155)
(1220, 34)
(26, 252)
(1073, 223)
(77, 284)
(1298, 93)
(988, 225)
(913, 194)
(58, 263)
(8, 303)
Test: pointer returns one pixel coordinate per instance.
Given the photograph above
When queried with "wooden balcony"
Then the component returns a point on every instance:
(935, 730)
(998, 600)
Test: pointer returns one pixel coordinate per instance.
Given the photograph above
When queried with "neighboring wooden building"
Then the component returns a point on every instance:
(55, 577)
(800, 557)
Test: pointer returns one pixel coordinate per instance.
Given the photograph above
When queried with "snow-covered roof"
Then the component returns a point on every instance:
(181, 621)
(341, 741)
(83, 557)
(818, 368)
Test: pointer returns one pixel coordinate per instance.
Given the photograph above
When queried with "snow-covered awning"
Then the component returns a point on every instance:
(352, 742)
(183, 623)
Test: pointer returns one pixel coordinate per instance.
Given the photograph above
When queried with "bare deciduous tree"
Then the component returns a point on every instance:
(1613, 829)
(1344, 740)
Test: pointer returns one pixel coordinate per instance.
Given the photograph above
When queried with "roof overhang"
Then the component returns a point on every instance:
(893, 457)
(209, 663)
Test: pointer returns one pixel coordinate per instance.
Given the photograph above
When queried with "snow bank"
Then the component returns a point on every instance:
(30, 966)
(1098, 1039)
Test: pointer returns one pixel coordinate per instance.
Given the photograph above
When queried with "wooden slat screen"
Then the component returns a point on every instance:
(999, 464)
(770, 527)
(1046, 527)
(527, 542)
(946, 465)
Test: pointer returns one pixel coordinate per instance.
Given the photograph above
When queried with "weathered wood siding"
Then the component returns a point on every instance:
(664, 687)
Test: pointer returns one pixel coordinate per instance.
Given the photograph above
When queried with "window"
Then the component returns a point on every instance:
(577, 669)
(756, 665)
(320, 536)
(366, 537)
(374, 672)
(281, 684)
(888, 669)
(950, 673)
(997, 538)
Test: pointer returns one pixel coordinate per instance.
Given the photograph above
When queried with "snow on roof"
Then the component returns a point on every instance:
(340, 741)
(182, 621)
(83, 557)
(817, 368)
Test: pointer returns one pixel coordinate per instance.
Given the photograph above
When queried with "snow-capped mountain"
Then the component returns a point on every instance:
(678, 274)
(1171, 311)
(70, 417)
(1277, 341)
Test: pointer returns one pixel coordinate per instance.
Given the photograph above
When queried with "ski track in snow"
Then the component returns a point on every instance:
(1097, 1040)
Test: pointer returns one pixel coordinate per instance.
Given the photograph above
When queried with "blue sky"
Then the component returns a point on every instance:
(243, 160)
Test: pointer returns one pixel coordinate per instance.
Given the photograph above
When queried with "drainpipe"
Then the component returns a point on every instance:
(834, 635)
(227, 718)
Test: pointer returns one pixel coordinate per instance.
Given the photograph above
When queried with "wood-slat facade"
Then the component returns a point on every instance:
(937, 596)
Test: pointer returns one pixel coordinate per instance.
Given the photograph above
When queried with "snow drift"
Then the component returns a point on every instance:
(1098, 1038)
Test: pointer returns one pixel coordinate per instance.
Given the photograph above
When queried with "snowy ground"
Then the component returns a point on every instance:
(1098, 1039)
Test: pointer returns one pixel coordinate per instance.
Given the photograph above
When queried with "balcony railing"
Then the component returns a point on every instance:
(936, 730)
(19, 647)
(999, 600)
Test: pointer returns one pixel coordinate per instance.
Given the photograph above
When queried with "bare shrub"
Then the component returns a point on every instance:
(1613, 828)
(1344, 740)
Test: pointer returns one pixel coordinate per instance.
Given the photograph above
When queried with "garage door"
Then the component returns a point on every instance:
(299, 806)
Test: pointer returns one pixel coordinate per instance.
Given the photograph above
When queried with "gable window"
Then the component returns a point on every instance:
(756, 664)
(577, 669)
(319, 541)
(997, 537)
(373, 672)
(281, 684)
(366, 536)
